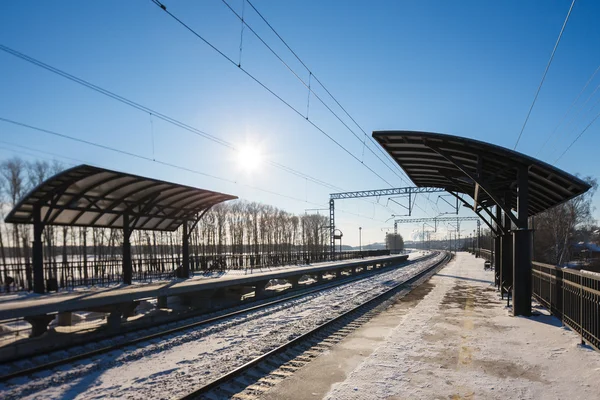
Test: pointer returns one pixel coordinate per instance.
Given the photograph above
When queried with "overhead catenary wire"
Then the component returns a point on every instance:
(310, 90)
(323, 86)
(577, 138)
(164, 163)
(545, 73)
(260, 83)
(264, 86)
(569, 110)
(154, 113)
(575, 119)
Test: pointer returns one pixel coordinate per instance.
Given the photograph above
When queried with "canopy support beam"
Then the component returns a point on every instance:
(505, 206)
(127, 265)
(38, 251)
(522, 242)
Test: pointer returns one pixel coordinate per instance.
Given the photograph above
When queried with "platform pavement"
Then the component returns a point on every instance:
(460, 342)
(35, 304)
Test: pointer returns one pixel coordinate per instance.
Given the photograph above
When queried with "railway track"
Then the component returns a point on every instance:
(197, 322)
(257, 376)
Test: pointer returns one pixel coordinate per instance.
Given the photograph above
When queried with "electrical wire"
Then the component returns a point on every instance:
(264, 86)
(164, 163)
(571, 126)
(577, 138)
(325, 88)
(569, 110)
(159, 115)
(545, 72)
(155, 113)
(231, 61)
(308, 86)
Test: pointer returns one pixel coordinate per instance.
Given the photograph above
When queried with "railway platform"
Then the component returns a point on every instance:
(120, 302)
(453, 338)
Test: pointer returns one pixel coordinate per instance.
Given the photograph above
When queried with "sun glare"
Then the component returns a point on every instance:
(249, 158)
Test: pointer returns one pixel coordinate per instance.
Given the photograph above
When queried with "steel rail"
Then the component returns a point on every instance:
(207, 321)
(371, 302)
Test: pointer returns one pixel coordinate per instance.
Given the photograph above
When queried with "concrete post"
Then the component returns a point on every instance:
(39, 324)
(294, 280)
(161, 302)
(65, 318)
(259, 289)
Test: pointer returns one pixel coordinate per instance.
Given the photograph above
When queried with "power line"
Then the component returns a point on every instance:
(577, 138)
(308, 86)
(154, 113)
(569, 109)
(264, 86)
(163, 117)
(311, 73)
(545, 72)
(191, 30)
(322, 85)
(572, 122)
(165, 163)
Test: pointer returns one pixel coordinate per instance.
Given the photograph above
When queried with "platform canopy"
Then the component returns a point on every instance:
(482, 170)
(89, 196)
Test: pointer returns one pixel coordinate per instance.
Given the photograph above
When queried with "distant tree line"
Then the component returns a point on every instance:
(232, 228)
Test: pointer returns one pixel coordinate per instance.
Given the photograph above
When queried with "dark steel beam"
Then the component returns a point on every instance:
(127, 265)
(522, 250)
(38, 251)
(495, 198)
(383, 192)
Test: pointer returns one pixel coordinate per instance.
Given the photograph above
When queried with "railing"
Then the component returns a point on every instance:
(573, 296)
(17, 276)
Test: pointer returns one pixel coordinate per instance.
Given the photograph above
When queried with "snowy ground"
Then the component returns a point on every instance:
(175, 364)
(460, 342)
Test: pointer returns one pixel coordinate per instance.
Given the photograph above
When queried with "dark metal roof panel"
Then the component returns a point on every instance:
(414, 152)
(95, 197)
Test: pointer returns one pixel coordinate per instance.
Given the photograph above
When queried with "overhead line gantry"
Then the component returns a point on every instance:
(404, 192)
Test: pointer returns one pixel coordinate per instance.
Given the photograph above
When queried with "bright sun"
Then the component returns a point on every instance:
(249, 157)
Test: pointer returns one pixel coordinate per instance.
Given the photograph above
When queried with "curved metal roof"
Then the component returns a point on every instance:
(95, 197)
(464, 165)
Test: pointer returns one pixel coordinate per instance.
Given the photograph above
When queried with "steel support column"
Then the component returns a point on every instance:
(522, 241)
(127, 266)
(498, 250)
(38, 251)
(506, 268)
(185, 252)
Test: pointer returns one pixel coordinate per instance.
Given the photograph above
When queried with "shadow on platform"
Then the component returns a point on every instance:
(464, 278)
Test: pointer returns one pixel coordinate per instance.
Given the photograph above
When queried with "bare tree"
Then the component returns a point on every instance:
(555, 228)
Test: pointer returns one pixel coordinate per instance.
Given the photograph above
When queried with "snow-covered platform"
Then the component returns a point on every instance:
(461, 342)
(35, 305)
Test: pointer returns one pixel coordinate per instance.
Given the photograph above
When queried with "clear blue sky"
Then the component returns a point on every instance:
(469, 68)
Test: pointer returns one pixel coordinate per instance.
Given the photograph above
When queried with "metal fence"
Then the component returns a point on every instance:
(571, 295)
(17, 276)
